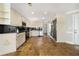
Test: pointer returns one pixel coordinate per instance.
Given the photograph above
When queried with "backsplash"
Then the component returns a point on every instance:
(7, 29)
(11, 29)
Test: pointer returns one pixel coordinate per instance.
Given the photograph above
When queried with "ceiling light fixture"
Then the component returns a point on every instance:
(43, 17)
(32, 12)
(45, 12)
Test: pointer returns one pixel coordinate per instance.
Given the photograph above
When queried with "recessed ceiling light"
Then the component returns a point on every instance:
(30, 4)
(43, 17)
(32, 12)
(45, 12)
(33, 18)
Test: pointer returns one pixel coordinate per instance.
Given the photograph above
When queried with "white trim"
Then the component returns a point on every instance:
(73, 11)
(66, 42)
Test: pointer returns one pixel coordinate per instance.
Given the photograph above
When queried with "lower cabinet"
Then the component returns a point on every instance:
(20, 39)
(7, 43)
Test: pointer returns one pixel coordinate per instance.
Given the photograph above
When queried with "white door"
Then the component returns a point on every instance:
(76, 28)
(68, 29)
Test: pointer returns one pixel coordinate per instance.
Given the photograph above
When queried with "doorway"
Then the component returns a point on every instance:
(53, 29)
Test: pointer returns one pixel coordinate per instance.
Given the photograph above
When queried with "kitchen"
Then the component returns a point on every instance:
(20, 23)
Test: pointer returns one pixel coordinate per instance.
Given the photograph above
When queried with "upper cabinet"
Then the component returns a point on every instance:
(9, 16)
(4, 13)
(16, 18)
(24, 21)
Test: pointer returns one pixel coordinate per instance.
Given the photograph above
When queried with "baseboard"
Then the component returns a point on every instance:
(61, 41)
(66, 42)
(12, 53)
(22, 44)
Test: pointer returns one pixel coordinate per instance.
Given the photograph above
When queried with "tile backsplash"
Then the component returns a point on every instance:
(7, 29)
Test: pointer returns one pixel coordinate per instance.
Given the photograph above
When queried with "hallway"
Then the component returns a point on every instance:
(44, 46)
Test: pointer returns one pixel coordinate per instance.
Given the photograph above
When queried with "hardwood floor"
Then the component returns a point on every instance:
(44, 46)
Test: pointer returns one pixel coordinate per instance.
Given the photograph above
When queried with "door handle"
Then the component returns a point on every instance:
(75, 32)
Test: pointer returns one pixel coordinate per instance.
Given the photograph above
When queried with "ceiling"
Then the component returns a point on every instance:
(43, 11)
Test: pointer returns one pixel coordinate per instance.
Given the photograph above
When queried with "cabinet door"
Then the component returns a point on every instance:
(15, 18)
(19, 20)
(7, 43)
(4, 13)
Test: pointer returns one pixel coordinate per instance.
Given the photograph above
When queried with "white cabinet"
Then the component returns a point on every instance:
(19, 20)
(4, 13)
(20, 39)
(23, 19)
(7, 43)
(13, 17)
(16, 19)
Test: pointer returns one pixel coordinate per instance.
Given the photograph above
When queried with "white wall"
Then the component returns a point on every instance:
(45, 28)
(48, 29)
(65, 28)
